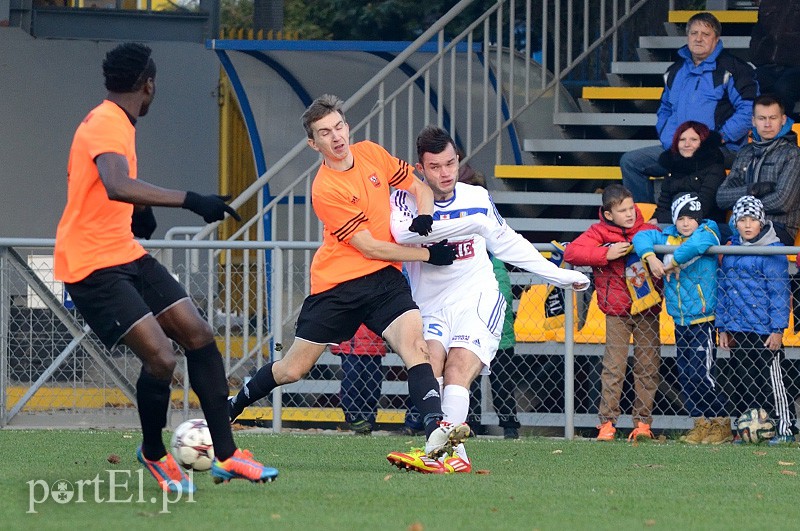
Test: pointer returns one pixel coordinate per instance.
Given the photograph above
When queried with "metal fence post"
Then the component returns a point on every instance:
(276, 320)
(5, 302)
(569, 365)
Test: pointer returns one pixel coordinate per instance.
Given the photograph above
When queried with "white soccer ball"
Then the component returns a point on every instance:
(755, 426)
(191, 445)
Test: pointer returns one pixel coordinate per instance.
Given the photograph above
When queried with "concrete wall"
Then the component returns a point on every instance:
(48, 86)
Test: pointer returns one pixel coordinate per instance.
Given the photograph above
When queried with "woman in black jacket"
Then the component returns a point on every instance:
(696, 165)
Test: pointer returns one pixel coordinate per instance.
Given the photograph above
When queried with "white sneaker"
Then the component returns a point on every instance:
(460, 451)
(444, 438)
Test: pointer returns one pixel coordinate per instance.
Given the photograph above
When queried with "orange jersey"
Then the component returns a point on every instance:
(94, 231)
(348, 202)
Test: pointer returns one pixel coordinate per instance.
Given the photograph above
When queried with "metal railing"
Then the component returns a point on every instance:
(50, 362)
(508, 83)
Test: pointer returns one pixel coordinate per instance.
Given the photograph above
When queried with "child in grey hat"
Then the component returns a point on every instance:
(753, 307)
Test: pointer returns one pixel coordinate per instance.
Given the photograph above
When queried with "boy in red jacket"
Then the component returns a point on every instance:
(631, 303)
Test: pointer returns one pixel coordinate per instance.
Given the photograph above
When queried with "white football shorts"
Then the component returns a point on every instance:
(475, 324)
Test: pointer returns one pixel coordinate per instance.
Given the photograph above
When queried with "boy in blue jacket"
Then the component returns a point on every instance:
(691, 294)
(753, 312)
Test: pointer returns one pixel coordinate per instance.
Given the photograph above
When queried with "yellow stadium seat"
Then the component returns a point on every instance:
(531, 324)
(593, 330)
(793, 257)
(790, 338)
(667, 327)
(647, 209)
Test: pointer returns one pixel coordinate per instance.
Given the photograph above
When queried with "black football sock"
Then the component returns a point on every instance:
(423, 389)
(259, 386)
(208, 380)
(152, 399)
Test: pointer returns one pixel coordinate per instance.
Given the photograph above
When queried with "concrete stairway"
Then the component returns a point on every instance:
(615, 119)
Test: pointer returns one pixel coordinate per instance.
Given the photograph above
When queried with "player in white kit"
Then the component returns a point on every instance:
(462, 307)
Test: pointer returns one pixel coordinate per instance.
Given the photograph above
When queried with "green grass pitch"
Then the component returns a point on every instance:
(344, 482)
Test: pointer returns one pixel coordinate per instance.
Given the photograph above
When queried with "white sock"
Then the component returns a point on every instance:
(455, 404)
(440, 379)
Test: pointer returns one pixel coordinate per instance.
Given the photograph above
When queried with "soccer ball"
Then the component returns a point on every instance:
(191, 445)
(755, 426)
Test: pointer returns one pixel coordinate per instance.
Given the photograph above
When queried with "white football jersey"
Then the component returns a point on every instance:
(469, 221)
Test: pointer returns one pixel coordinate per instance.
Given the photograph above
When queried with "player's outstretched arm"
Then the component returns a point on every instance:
(375, 249)
(510, 247)
(114, 173)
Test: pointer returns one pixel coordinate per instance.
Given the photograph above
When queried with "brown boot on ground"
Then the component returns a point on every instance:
(719, 432)
(700, 431)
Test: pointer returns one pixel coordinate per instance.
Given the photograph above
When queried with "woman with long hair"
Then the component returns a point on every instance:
(695, 164)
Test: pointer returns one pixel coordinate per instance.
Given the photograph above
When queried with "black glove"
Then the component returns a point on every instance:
(442, 254)
(211, 207)
(761, 189)
(143, 222)
(422, 224)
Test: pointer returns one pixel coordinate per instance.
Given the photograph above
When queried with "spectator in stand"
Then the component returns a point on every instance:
(362, 376)
(695, 164)
(752, 313)
(631, 304)
(769, 169)
(775, 52)
(709, 85)
(691, 292)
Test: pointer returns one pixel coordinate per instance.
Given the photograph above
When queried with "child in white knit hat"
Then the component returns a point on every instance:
(690, 289)
(753, 308)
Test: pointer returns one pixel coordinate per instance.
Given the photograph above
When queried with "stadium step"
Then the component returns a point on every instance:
(640, 68)
(670, 42)
(620, 117)
(638, 119)
(725, 17)
(546, 224)
(546, 198)
(589, 145)
(622, 93)
(510, 171)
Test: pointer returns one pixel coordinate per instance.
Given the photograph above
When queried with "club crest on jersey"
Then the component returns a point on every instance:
(374, 180)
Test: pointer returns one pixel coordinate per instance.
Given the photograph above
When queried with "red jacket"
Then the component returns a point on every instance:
(365, 342)
(589, 249)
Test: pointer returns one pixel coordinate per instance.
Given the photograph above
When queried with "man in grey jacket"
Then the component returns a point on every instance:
(769, 169)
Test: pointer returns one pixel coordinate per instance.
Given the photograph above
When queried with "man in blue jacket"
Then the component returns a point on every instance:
(709, 85)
